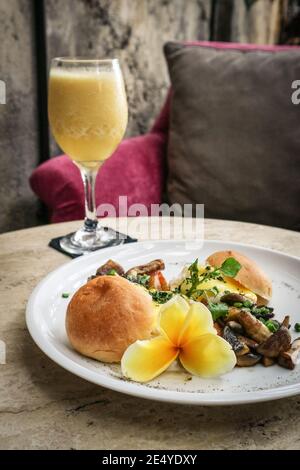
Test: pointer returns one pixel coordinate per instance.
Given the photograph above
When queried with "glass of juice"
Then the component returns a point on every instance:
(88, 115)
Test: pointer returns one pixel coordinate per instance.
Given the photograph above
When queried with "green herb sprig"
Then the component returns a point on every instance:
(218, 310)
(229, 268)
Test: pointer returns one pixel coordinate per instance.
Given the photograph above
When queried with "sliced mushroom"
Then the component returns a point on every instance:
(248, 341)
(253, 327)
(288, 359)
(286, 321)
(243, 351)
(260, 301)
(149, 268)
(248, 360)
(235, 326)
(278, 342)
(233, 314)
(267, 361)
(218, 328)
(109, 266)
(238, 347)
(232, 297)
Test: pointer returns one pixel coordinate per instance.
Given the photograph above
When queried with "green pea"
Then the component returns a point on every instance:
(238, 304)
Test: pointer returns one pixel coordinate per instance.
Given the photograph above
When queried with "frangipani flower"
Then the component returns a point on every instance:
(187, 333)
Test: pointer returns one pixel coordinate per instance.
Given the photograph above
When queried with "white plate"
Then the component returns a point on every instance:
(46, 317)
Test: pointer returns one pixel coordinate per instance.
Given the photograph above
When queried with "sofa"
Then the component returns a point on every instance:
(142, 168)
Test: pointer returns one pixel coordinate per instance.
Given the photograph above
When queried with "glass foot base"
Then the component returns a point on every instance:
(83, 242)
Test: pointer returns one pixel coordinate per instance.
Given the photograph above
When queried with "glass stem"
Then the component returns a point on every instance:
(89, 179)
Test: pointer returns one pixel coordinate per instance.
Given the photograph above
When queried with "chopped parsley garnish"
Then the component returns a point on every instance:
(160, 296)
(262, 312)
(214, 290)
(112, 272)
(65, 295)
(142, 279)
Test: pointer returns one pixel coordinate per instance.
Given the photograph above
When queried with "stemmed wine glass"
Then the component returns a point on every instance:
(88, 116)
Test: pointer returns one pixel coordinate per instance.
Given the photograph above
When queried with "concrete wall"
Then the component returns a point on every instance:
(132, 30)
(18, 131)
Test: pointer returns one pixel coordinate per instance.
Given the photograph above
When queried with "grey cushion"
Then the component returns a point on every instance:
(234, 141)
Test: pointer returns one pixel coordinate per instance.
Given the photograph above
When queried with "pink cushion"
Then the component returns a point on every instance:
(135, 170)
(233, 140)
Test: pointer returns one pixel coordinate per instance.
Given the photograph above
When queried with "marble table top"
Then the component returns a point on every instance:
(44, 406)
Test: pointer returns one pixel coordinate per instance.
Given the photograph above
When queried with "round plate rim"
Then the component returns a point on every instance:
(137, 390)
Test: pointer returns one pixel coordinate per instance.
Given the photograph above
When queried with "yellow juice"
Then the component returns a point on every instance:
(87, 113)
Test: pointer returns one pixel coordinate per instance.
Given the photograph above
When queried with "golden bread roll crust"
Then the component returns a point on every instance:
(108, 314)
(249, 276)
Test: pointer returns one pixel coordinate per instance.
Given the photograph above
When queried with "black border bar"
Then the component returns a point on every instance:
(39, 26)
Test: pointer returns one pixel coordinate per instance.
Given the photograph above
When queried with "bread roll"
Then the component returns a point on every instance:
(108, 314)
(250, 275)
